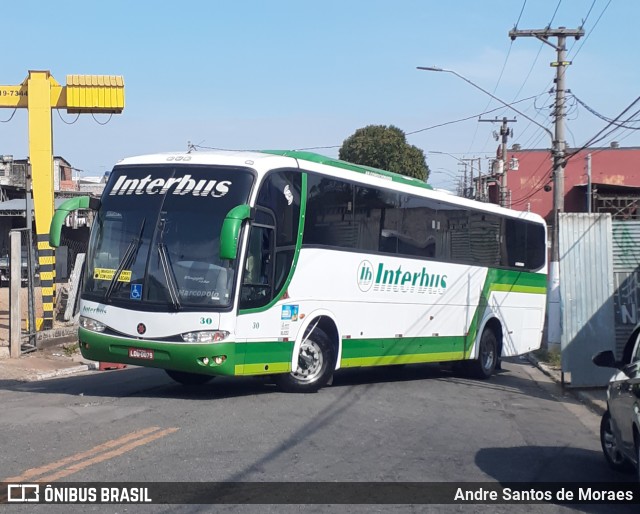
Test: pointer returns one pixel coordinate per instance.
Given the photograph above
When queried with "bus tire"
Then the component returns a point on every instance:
(485, 364)
(316, 361)
(188, 379)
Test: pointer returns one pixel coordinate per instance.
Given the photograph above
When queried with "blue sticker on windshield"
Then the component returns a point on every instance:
(136, 292)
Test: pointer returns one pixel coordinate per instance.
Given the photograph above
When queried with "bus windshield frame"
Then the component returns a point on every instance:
(155, 241)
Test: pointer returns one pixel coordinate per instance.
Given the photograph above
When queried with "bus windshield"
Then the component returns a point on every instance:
(155, 241)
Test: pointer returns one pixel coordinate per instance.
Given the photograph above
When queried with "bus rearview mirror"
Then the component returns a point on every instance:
(61, 213)
(230, 232)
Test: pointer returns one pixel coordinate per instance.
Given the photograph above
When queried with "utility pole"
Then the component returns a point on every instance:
(468, 187)
(558, 151)
(589, 183)
(503, 166)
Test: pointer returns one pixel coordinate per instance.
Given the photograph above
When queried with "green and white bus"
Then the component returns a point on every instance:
(292, 264)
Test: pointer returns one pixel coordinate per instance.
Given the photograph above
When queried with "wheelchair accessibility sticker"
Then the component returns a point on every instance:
(136, 292)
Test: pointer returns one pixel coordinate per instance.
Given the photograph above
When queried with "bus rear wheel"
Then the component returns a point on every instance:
(484, 366)
(188, 379)
(315, 365)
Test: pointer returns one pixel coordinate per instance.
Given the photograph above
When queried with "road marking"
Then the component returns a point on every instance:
(108, 450)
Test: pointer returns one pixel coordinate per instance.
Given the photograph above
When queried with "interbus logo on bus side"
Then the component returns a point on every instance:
(399, 279)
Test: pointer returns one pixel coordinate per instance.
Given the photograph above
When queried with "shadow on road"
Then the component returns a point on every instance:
(554, 464)
(154, 383)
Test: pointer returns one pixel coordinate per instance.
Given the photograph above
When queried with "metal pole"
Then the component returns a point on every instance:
(589, 183)
(504, 132)
(504, 163)
(559, 142)
(15, 315)
(30, 259)
(554, 325)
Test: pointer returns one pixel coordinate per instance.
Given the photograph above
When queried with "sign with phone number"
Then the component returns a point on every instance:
(107, 274)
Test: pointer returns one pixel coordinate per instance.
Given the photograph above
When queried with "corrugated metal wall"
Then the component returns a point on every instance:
(626, 280)
(586, 292)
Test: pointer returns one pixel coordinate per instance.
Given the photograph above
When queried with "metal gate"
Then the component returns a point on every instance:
(586, 295)
(626, 280)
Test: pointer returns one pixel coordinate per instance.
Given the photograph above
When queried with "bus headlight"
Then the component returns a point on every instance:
(205, 336)
(91, 324)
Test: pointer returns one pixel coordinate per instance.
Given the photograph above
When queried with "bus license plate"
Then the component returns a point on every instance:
(139, 353)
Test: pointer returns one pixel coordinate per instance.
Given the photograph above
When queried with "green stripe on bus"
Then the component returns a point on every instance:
(401, 350)
(401, 359)
(263, 368)
(511, 288)
(503, 281)
(358, 168)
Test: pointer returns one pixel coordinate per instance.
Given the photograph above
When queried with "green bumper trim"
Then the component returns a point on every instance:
(257, 358)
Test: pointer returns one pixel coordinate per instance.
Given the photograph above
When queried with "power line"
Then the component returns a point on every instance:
(521, 11)
(504, 65)
(599, 135)
(469, 117)
(592, 28)
(602, 117)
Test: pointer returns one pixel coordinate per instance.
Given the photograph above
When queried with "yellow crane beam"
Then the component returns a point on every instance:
(39, 93)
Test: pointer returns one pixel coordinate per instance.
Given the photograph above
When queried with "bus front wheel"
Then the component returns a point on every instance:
(188, 379)
(484, 366)
(315, 365)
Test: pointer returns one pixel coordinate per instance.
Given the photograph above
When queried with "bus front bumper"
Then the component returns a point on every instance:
(208, 359)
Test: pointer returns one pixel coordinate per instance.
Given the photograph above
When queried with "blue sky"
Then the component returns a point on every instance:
(253, 74)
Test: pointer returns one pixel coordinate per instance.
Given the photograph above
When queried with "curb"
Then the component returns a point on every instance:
(597, 406)
(63, 372)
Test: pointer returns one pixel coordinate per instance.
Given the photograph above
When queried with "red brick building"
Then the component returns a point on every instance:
(615, 181)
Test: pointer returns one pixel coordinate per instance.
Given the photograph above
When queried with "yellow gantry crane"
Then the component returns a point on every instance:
(39, 93)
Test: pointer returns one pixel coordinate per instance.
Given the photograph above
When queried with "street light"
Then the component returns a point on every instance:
(464, 162)
(448, 179)
(557, 152)
(433, 68)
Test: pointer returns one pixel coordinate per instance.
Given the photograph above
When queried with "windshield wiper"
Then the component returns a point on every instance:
(129, 254)
(169, 275)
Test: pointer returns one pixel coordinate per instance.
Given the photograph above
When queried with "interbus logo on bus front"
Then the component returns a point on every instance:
(400, 280)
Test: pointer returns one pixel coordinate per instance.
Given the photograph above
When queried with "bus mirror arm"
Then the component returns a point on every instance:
(230, 232)
(61, 213)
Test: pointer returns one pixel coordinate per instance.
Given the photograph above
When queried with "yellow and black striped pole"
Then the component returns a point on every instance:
(39, 93)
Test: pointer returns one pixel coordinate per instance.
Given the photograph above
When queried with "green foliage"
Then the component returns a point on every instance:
(70, 350)
(386, 148)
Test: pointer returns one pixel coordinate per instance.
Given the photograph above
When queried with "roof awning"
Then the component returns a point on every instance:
(17, 206)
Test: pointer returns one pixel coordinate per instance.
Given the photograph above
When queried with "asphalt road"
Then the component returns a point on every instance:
(411, 424)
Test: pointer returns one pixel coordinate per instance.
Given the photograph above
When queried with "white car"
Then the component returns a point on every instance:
(620, 426)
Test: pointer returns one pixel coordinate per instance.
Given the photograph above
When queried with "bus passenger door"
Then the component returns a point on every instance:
(255, 323)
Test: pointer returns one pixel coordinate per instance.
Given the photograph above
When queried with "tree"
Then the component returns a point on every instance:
(386, 148)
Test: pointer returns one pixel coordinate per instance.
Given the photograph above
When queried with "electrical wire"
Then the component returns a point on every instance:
(605, 132)
(602, 117)
(520, 15)
(592, 28)
(504, 65)
(599, 136)
(65, 121)
(99, 122)
(10, 117)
